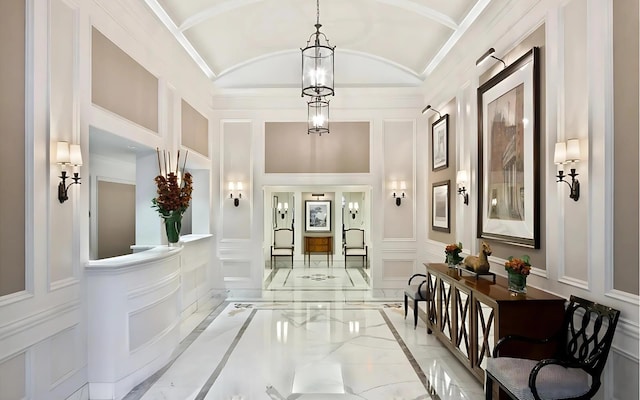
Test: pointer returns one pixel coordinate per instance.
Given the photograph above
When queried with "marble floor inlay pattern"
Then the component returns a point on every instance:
(257, 348)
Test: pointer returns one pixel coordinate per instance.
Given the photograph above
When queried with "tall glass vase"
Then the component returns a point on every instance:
(517, 282)
(172, 226)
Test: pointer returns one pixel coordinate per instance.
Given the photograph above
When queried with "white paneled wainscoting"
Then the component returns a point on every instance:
(140, 306)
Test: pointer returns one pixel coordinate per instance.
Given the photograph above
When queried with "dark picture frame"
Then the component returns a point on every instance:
(509, 154)
(441, 206)
(440, 143)
(317, 215)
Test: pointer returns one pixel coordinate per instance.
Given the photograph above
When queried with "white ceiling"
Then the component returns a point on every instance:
(256, 43)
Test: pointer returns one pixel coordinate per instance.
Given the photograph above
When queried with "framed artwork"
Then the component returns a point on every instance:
(508, 154)
(440, 206)
(440, 143)
(317, 215)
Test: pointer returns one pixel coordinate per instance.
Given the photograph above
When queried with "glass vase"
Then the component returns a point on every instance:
(517, 282)
(172, 227)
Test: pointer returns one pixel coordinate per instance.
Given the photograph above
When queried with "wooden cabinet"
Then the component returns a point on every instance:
(469, 316)
(318, 244)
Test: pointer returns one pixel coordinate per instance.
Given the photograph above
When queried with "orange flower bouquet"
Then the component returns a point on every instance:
(518, 265)
(452, 252)
(517, 270)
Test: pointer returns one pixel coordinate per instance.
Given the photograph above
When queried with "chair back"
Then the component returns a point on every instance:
(283, 237)
(354, 238)
(590, 328)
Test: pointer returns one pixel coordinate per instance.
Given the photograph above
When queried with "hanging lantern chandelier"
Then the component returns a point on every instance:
(317, 63)
(318, 116)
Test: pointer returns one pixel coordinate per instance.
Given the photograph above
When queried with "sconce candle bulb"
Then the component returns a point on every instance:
(67, 155)
(353, 209)
(282, 211)
(398, 196)
(568, 152)
(235, 186)
(461, 179)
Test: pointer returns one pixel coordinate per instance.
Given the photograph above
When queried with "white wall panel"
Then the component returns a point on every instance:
(66, 356)
(150, 322)
(574, 123)
(236, 270)
(399, 165)
(397, 269)
(13, 377)
(623, 372)
(63, 71)
(236, 167)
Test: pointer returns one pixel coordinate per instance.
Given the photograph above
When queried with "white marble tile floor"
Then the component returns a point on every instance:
(309, 336)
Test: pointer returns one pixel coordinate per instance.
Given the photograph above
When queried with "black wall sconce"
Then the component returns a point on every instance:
(67, 154)
(353, 209)
(398, 196)
(283, 210)
(489, 54)
(568, 152)
(235, 187)
(461, 180)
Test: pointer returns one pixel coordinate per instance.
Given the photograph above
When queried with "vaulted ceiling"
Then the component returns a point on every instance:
(256, 43)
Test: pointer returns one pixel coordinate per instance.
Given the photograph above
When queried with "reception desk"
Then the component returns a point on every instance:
(138, 306)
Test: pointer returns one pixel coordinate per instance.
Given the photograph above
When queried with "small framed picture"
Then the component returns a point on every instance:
(440, 206)
(317, 215)
(440, 143)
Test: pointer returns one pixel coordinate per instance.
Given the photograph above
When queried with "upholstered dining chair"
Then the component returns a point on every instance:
(282, 244)
(416, 292)
(573, 372)
(354, 245)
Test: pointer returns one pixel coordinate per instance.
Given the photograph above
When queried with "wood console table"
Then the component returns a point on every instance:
(469, 316)
(318, 244)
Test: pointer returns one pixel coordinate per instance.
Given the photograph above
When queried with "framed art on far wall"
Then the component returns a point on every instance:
(508, 154)
(317, 215)
(440, 143)
(440, 209)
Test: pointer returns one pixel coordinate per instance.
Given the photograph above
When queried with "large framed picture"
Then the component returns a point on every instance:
(440, 206)
(440, 143)
(508, 154)
(317, 215)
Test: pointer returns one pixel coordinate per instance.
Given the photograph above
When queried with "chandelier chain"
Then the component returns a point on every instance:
(317, 12)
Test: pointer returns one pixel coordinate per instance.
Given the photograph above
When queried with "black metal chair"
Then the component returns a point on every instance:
(574, 372)
(417, 293)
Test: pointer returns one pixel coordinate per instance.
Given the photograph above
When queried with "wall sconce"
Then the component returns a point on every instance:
(353, 209)
(283, 211)
(237, 187)
(489, 54)
(461, 180)
(428, 107)
(67, 154)
(398, 196)
(568, 152)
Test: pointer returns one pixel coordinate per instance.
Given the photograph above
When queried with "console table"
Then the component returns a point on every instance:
(318, 244)
(469, 316)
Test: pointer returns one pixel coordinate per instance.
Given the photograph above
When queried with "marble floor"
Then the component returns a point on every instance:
(313, 332)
